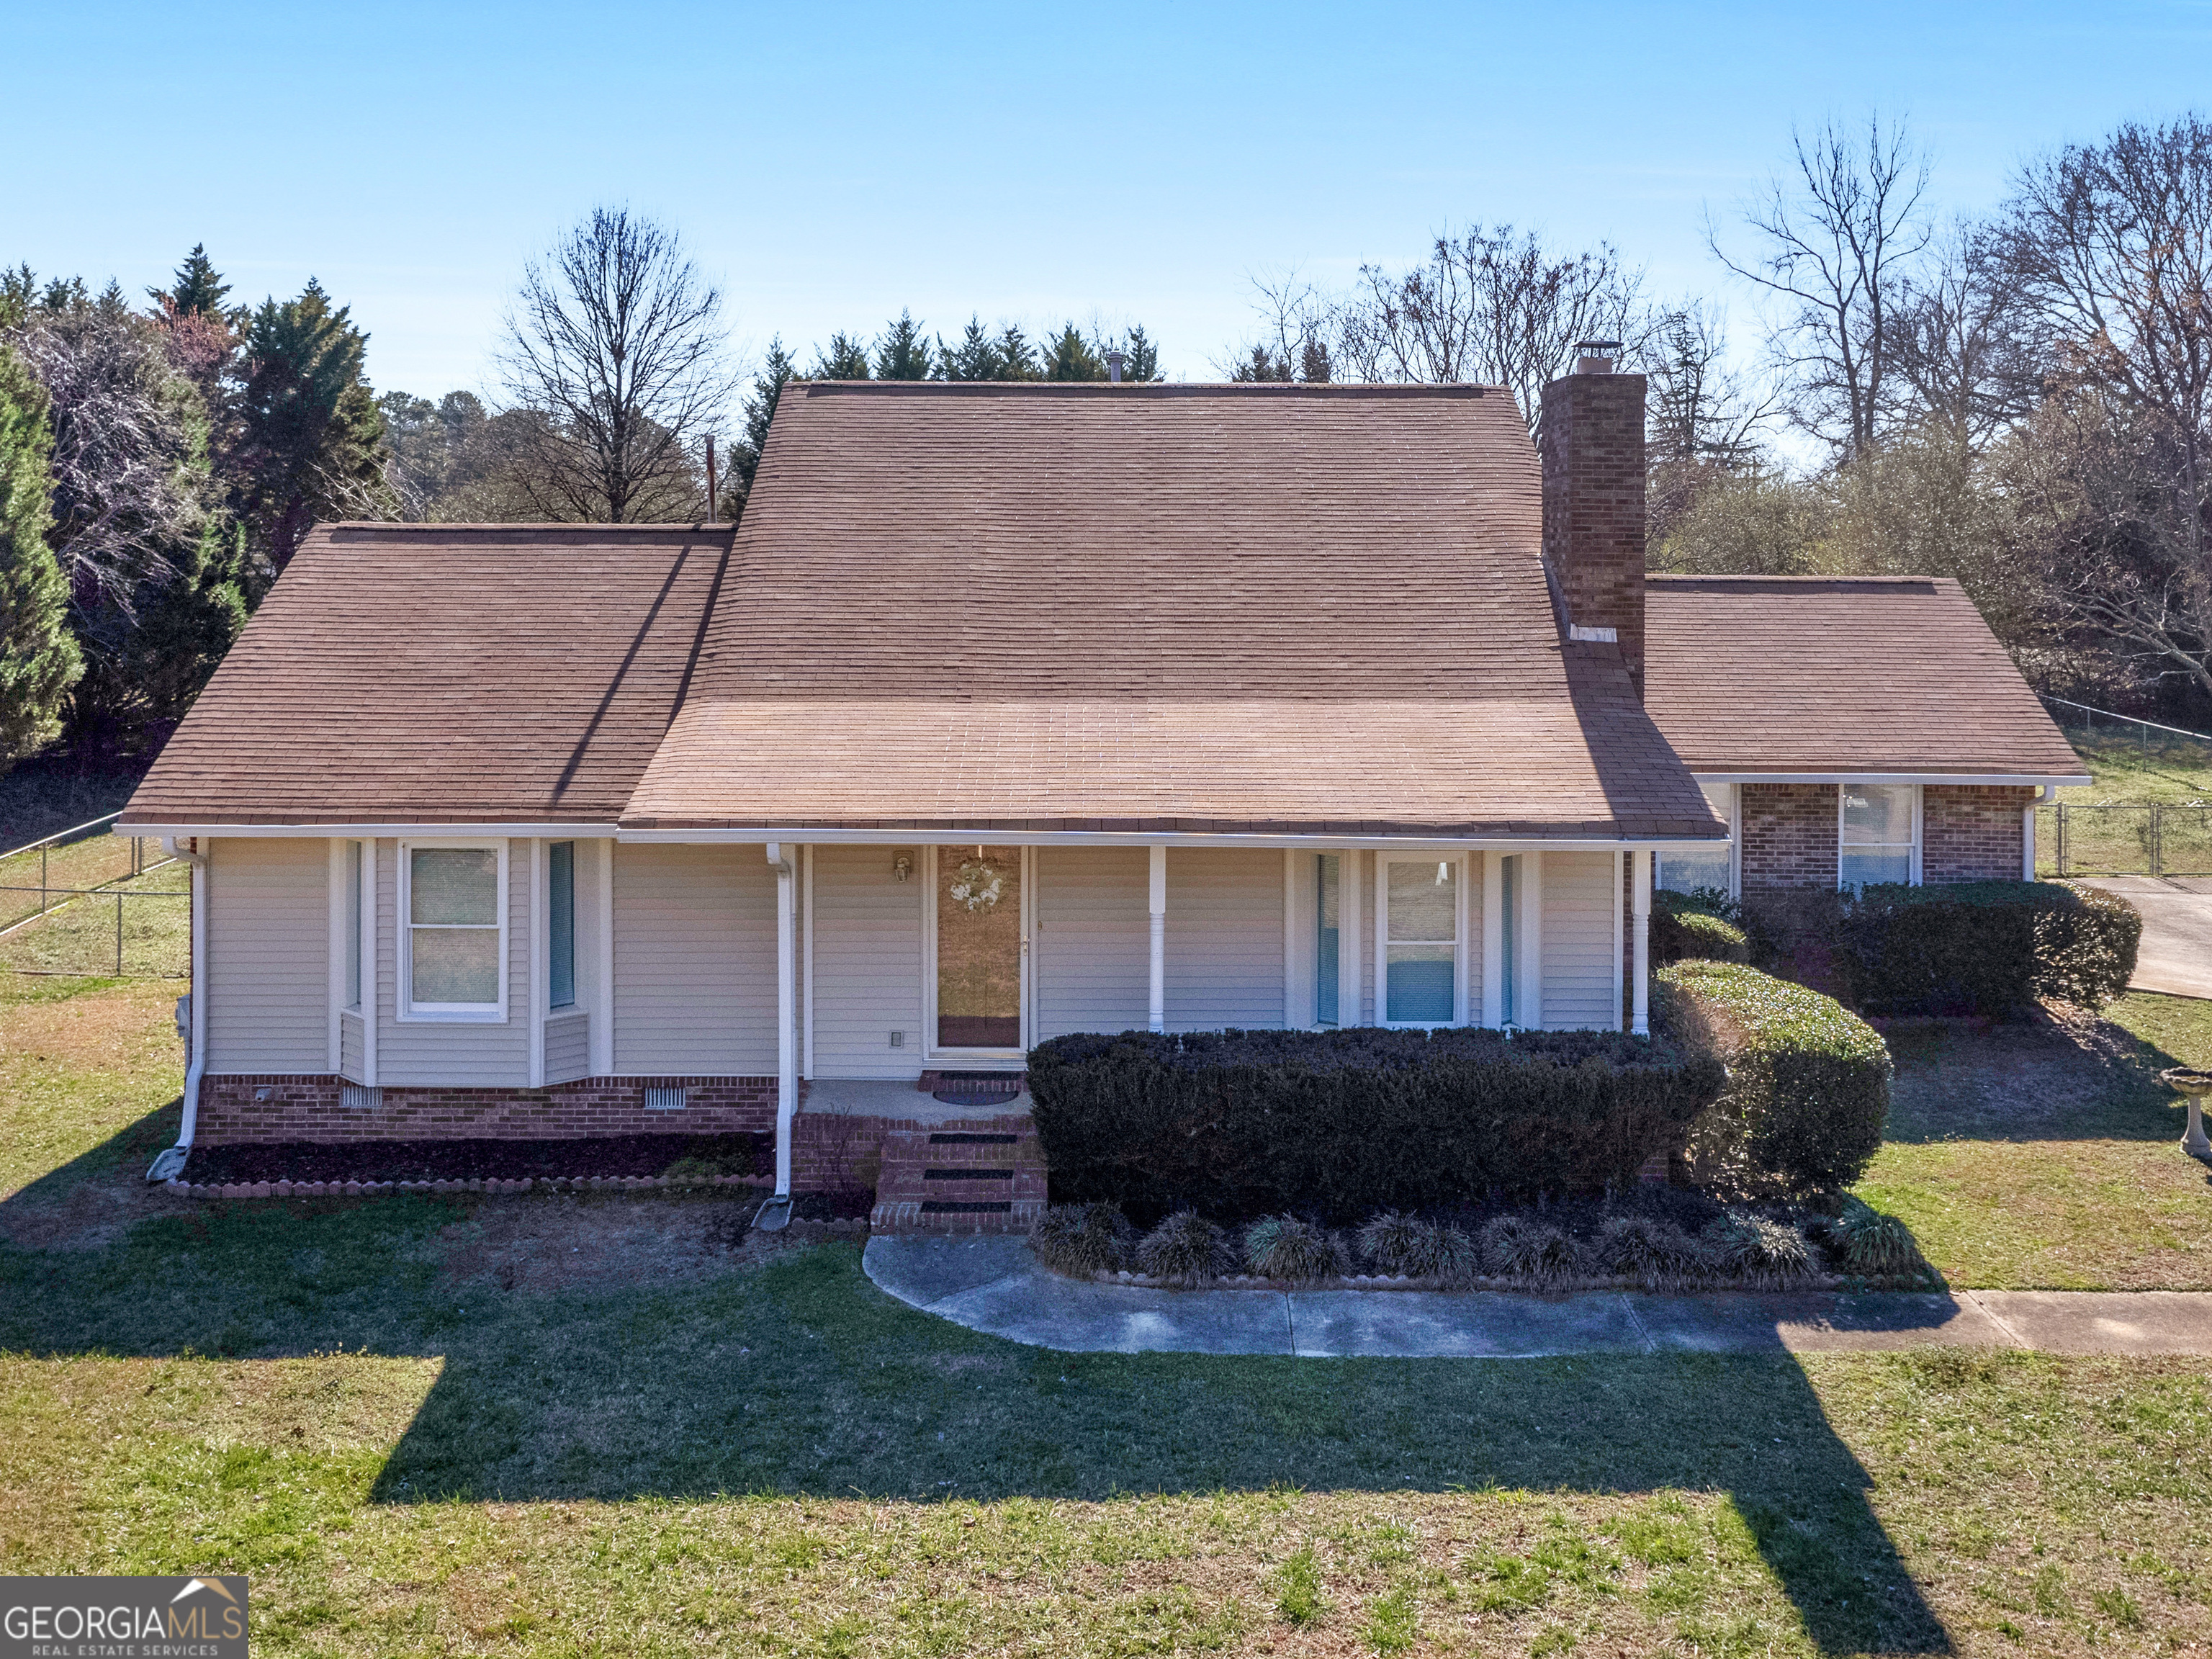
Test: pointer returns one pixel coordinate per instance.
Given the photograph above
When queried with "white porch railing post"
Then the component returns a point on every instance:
(1157, 1011)
(1640, 888)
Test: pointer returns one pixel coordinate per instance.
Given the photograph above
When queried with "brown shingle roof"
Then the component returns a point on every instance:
(1152, 607)
(1808, 674)
(447, 673)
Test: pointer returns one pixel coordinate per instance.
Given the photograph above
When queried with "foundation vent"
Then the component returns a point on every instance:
(360, 1097)
(663, 1100)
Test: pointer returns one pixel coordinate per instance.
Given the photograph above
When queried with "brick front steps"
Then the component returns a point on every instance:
(986, 1176)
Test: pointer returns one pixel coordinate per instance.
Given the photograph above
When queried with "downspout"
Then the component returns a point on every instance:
(2046, 795)
(171, 1163)
(775, 1214)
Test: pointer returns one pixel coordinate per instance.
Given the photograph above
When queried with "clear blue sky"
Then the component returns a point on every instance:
(1132, 162)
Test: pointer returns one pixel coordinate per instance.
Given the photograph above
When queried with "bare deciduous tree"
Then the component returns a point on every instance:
(1298, 321)
(1703, 418)
(2112, 245)
(1490, 306)
(614, 343)
(1839, 240)
(1966, 352)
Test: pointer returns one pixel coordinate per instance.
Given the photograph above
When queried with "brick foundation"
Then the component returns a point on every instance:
(1972, 832)
(236, 1107)
(1789, 836)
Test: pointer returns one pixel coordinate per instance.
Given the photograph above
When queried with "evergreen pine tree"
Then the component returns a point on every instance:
(198, 288)
(760, 412)
(1141, 358)
(1017, 357)
(846, 359)
(975, 358)
(1069, 356)
(903, 352)
(39, 660)
(185, 625)
(311, 443)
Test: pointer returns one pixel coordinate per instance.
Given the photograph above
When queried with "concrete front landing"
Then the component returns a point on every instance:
(994, 1285)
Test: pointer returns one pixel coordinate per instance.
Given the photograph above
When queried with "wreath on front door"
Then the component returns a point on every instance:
(979, 886)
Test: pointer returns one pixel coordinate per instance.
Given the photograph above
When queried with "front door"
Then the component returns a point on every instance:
(979, 948)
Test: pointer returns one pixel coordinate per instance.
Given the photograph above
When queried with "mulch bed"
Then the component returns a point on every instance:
(484, 1158)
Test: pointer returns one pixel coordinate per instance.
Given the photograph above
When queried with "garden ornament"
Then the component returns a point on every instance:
(2195, 1085)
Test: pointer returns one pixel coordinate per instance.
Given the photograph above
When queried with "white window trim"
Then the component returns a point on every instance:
(1382, 929)
(447, 1013)
(931, 1053)
(1912, 867)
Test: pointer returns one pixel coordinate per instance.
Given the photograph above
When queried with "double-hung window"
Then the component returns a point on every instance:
(1878, 835)
(1695, 867)
(561, 924)
(454, 948)
(1423, 980)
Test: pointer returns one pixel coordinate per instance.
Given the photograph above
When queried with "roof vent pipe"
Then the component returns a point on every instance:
(1114, 360)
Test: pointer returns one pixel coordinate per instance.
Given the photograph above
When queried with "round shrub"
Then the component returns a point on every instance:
(1807, 1086)
(1685, 926)
(1521, 1247)
(1653, 1251)
(1283, 1247)
(1185, 1248)
(1876, 1245)
(1083, 1238)
(1758, 1251)
(1392, 1243)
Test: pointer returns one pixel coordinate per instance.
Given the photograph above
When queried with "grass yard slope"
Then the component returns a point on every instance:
(591, 1427)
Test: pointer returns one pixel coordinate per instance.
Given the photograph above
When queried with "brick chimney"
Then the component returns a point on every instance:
(1593, 452)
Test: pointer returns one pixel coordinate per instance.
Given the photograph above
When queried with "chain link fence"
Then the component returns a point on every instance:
(84, 903)
(2154, 840)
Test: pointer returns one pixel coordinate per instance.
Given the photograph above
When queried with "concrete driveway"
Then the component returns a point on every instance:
(2177, 939)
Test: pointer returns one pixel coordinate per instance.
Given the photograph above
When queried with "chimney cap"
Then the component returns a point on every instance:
(1596, 357)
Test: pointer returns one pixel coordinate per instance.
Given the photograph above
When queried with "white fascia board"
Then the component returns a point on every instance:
(939, 836)
(1994, 779)
(370, 831)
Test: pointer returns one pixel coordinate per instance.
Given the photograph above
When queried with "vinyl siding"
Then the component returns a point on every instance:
(350, 1059)
(1225, 939)
(867, 962)
(269, 965)
(1094, 939)
(695, 962)
(457, 1054)
(568, 1047)
(1577, 940)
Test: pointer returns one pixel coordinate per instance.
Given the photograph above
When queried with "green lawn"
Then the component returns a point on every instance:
(613, 1426)
(2125, 771)
(2047, 1157)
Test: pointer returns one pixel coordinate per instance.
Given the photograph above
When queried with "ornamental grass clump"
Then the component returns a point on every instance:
(1758, 1252)
(1083, 1238)
(1521, 1247)
(1877, 1246)
(1654, 1252)
(1185, 1248)
(1406, 1246)
(1283, 1247)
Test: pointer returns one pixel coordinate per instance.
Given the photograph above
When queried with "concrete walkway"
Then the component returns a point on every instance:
(2177, 939)
(995, 1285)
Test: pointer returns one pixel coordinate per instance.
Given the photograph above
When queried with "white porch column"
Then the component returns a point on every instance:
(787, 1011)
(1640, 891)
(541, 956)
(1493, 940)
(1157, 1009)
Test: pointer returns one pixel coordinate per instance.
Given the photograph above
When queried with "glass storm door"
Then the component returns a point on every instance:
(1421, 941)
(979, 947)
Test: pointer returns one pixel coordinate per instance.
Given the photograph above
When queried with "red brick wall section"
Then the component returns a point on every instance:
(1593, 454)
(237, 1108)
(1790, 835)
(1971, 832)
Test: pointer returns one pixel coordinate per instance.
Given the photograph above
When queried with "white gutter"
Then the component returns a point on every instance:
(1991, 780)
(775, 1214)
(942, 836)
(170, 1162)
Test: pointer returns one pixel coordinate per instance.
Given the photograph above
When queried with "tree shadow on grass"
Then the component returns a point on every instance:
(802, 1377)
(2030, 1080)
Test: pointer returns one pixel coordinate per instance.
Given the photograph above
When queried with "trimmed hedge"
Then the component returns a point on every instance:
(1685, 929)
(1243, 1123)
(1807, 1080)
(1986, 947)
